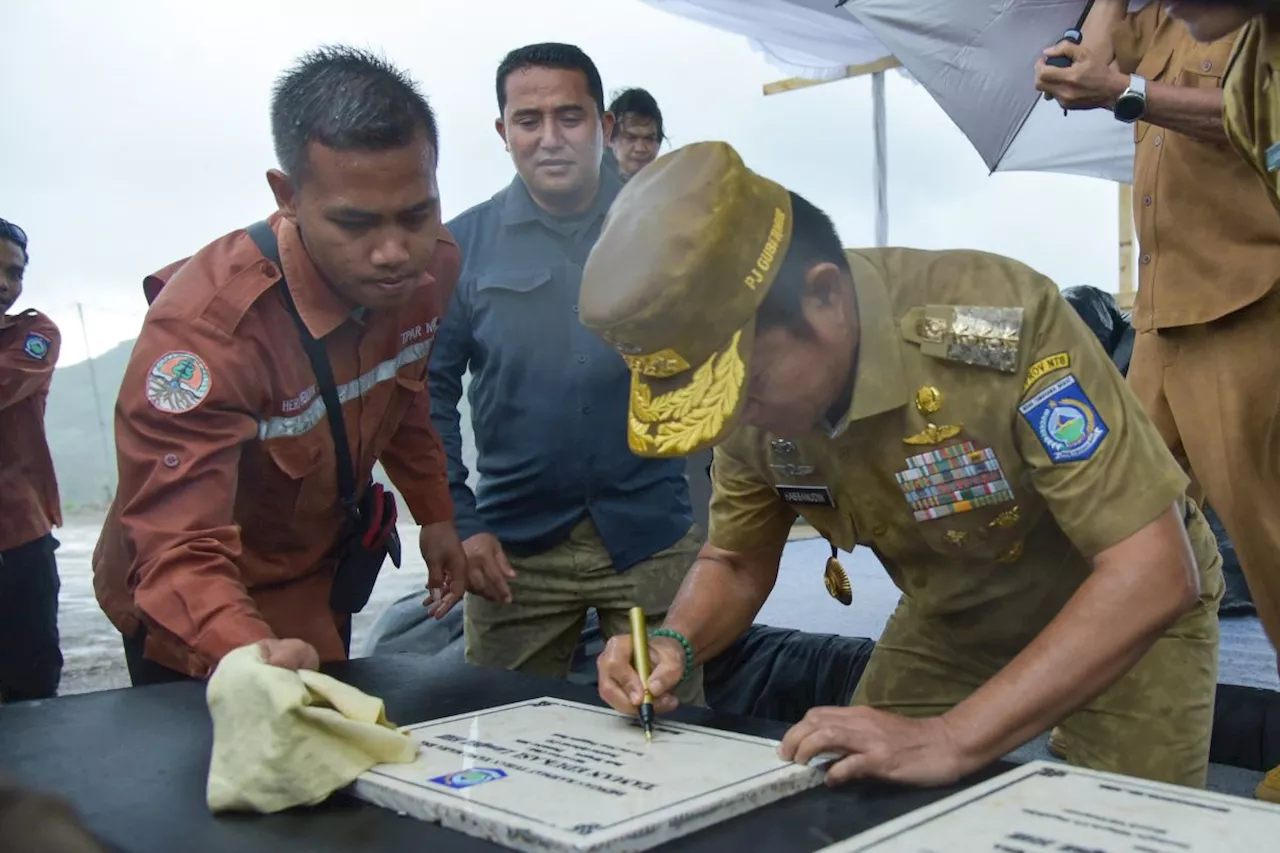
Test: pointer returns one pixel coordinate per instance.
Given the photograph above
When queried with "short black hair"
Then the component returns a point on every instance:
(813, 241)
(550, 55)
(639, 103)
(15, 235)
(348, 99)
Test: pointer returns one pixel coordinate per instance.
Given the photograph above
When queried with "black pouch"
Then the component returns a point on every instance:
(366, 544)
(369, 532)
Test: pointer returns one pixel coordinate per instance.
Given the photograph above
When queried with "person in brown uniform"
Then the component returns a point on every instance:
(228, 527)
(30, 659)
(1207, 300)
(1251, 114)
(951, 412)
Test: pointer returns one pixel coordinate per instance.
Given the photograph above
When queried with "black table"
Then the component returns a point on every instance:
(134, 763)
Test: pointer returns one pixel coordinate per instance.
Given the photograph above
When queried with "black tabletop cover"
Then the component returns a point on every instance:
(134, 762)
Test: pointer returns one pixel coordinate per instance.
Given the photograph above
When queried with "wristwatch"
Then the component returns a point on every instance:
(1132, 103)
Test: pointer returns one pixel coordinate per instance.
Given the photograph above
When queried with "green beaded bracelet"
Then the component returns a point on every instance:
(688, 649)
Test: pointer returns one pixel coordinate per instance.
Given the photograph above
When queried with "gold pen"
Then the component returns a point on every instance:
(640, 651)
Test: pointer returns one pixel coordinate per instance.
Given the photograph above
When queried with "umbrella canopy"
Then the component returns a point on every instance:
(976, 58)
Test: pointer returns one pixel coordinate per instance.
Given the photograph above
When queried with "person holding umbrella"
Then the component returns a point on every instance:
(1207, 300)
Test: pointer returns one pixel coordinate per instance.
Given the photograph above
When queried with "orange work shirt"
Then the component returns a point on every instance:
(29, 504)
(224, 529)
(1208, 237)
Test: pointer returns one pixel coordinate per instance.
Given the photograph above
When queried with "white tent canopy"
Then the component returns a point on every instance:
(976, 58)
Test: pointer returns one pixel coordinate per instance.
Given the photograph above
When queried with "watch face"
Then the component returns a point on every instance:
(1129, 107)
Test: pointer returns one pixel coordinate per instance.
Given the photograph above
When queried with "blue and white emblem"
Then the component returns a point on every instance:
(469, 778)
(36, 346)
(1065, 420)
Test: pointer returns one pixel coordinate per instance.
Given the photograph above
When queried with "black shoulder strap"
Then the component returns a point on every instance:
(265, 239)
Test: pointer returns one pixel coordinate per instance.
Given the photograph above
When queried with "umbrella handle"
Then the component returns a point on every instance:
(1074, 36)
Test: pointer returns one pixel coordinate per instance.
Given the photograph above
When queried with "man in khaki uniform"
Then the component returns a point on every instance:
(1208, 300)
(1251, 114)
(948, 410)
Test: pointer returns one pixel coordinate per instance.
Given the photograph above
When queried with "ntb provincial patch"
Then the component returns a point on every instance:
(1045, 366)
(36, 346)
(1065, 420)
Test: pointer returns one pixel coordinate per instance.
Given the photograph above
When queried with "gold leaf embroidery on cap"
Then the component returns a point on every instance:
(688, 416)
(658, 365)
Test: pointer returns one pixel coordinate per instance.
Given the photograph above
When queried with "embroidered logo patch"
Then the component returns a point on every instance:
(36, 345)
(1065, 421)
(953, 479)
(1045, 366)
(178, 382)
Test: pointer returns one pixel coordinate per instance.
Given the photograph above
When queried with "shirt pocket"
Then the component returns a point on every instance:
(305, 481)
(1153, 67)
(506, 300)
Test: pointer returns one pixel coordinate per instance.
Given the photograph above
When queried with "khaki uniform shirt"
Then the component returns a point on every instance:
(1252, 108)
(1051, 454)
(29, 504)
(225, 524)
(1208, 238)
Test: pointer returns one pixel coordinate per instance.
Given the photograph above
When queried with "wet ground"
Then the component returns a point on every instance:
(95, 660)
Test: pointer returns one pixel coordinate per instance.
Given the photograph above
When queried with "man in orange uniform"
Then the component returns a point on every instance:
(30, 660)
(228, 528)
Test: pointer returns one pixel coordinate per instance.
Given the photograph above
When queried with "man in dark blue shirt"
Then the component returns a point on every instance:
(564, 516)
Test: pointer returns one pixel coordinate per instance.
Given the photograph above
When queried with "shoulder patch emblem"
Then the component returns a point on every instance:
(36, 346)
(178, 382)
(1045, 366)
(1065, 420)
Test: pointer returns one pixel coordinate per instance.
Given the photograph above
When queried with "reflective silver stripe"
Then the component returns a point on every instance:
(291, 425)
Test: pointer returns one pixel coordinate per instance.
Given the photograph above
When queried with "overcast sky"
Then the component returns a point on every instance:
(136, 132)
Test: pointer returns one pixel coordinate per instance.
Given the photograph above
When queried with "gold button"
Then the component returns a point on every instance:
(1146, 200)
(1146, 259)
(1159, 140)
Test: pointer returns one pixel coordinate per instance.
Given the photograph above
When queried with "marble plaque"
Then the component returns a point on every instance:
(1046, 807)
(553, 775)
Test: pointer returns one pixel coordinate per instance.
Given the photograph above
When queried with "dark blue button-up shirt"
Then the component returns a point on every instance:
(548, 398)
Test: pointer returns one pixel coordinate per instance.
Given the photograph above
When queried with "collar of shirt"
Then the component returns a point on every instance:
(322, 309)
(877, 382)
(519, 206)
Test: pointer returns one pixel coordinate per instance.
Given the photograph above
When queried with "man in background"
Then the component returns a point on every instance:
(30, 659)
(230, 527)
(637, 131)
(564, 517)
(1207, 303)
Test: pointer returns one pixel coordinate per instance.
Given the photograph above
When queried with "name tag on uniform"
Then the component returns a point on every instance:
(806, 495)
(1273, 157)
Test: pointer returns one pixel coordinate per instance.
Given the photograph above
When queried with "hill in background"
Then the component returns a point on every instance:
(81, 432)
